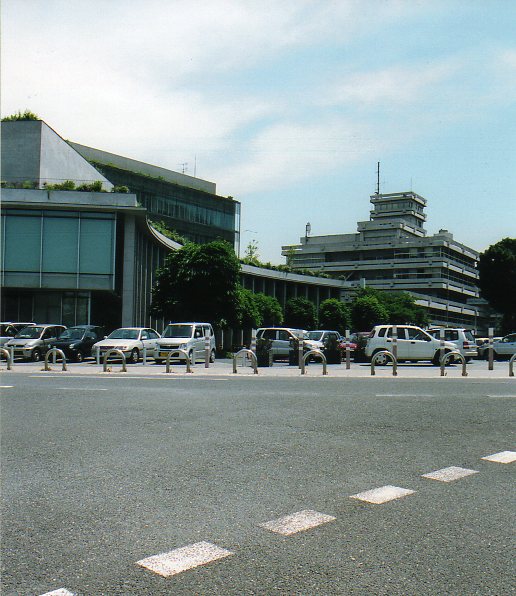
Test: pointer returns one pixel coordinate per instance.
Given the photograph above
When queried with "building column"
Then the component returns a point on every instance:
(128, 271)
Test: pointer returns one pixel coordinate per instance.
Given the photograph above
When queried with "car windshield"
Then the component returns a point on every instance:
(72, 333)
(124, 333)
(178, 331)
(30, 332)
(315, 335)
(7, 330)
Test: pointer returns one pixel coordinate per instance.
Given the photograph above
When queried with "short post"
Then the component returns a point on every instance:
(387, 355)
(395, 341)
(118, 353)
(97, 355)
(144, 355)
(511, 365)
(207, 351)
(253, 340)
(5, 353)
(314, 353)
(301, 349)
(55, 352)
(490, 351)
(11, 348)
(441, 347)
(178, 352)
(348, 350)
(246, 354)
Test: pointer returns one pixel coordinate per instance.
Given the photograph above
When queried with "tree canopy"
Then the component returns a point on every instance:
(334, 314)
(300, 313)
(199, 282)
(497, 280)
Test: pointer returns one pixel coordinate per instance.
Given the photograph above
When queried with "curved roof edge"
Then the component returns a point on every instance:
(166, 242)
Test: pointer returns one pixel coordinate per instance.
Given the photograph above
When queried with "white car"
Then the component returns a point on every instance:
(504, 348)
(189, 337)
(281, 339)
(413, 343)
(462, 338)
(130, 341)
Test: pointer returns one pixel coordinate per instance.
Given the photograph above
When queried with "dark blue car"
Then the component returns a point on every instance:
(76, 342)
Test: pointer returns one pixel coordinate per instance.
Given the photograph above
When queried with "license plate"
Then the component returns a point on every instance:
(163, 354)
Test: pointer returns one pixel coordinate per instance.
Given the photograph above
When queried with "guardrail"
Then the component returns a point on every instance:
(511, 365)
(455, 354)
(185, 354)
(248, 353)
(314, 353)
(384, 353)
(55, 352)
(118, 353)
(8, 357)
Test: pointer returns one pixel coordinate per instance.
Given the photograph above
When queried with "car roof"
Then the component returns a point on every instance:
(190, 323)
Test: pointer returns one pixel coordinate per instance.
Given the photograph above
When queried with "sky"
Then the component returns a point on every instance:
(287, 106)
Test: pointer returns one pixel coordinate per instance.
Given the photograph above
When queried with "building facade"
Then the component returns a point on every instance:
(393, 252)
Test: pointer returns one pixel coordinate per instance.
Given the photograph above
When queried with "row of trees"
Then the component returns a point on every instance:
(201, 282)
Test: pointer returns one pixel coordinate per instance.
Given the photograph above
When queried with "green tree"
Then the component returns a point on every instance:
(270, 310)
(300, 313)
(497, 280)
(367, 311)
(249, 311)
(252, 256)
(199, 282)
(402, 309)
(334, 314)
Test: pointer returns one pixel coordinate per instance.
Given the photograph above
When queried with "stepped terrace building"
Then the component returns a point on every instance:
(392, 251)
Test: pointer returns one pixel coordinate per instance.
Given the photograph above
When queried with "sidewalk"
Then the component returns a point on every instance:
(224, 368)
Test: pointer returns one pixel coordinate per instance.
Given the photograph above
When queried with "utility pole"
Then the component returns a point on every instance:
(378, 178)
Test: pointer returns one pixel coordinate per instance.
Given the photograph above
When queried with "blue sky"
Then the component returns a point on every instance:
(287, 106)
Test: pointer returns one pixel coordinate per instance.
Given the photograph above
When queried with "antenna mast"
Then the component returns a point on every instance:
(378, 178)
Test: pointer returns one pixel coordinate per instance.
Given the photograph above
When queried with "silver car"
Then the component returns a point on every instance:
(33, 342)
(130, 341)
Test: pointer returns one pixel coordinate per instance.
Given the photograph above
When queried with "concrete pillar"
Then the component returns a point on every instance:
(128, 271)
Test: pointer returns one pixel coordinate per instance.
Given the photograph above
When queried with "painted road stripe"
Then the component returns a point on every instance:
(383, 494)
(449, 474)
(297, 522)
(60, 592)
(6, 386)
(404, 395)
(80, 389)
(504, 457)
(184, 558)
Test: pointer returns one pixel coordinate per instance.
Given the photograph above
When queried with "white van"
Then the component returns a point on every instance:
(189, 337)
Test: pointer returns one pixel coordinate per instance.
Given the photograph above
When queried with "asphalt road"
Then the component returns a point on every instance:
(99, 473)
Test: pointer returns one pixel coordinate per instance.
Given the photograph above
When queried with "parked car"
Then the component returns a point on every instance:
(462, 338)
(10, 330)
(483, 347)
(504, 348)
(321, 337)
(130, 341)
(34, 341)
(413, 343)
(189, 337)
(282, 337)
(76, 342)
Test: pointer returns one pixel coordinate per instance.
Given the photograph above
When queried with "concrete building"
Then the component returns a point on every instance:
(76, 257)
(393, 252)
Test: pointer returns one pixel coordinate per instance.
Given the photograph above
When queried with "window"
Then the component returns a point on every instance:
(269, 334)
(284, 335)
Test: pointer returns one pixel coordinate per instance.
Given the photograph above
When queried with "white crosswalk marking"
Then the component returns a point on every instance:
(383, 494)
(59, 592)
(504, 457)
(297, 522)
(184, 558)
(449, 474)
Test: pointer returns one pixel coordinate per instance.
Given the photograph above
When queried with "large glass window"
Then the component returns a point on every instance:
(96, 250)
(22, 243)
(60, 244)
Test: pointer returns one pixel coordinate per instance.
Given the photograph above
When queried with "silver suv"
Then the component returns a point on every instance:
(281, 338)
(189, 337)
(413, 343)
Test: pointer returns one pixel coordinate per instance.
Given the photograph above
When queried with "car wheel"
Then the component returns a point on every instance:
(158, 361)
(212, 356)
(36, 355)
(79, 356)
(134, 356)
(380, 360)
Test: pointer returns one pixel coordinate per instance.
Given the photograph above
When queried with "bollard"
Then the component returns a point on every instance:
(185, 354)
(511, 365)
(441, 344)
(253, 340)
(144, 355)
(455, 354)
(387, 354)
(118, 353)
(348, 350)
(248, 353)
(300, 353)
(490, 349)
(314, 353)
(395, 342)
(55, 352)
(8, 357)
(207, 351)
(97, 355)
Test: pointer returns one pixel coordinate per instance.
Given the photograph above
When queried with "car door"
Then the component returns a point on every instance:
(49, 335)
(403, 351)
(420, 344)
(507, 346)
(283, 342)
(272, 334)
